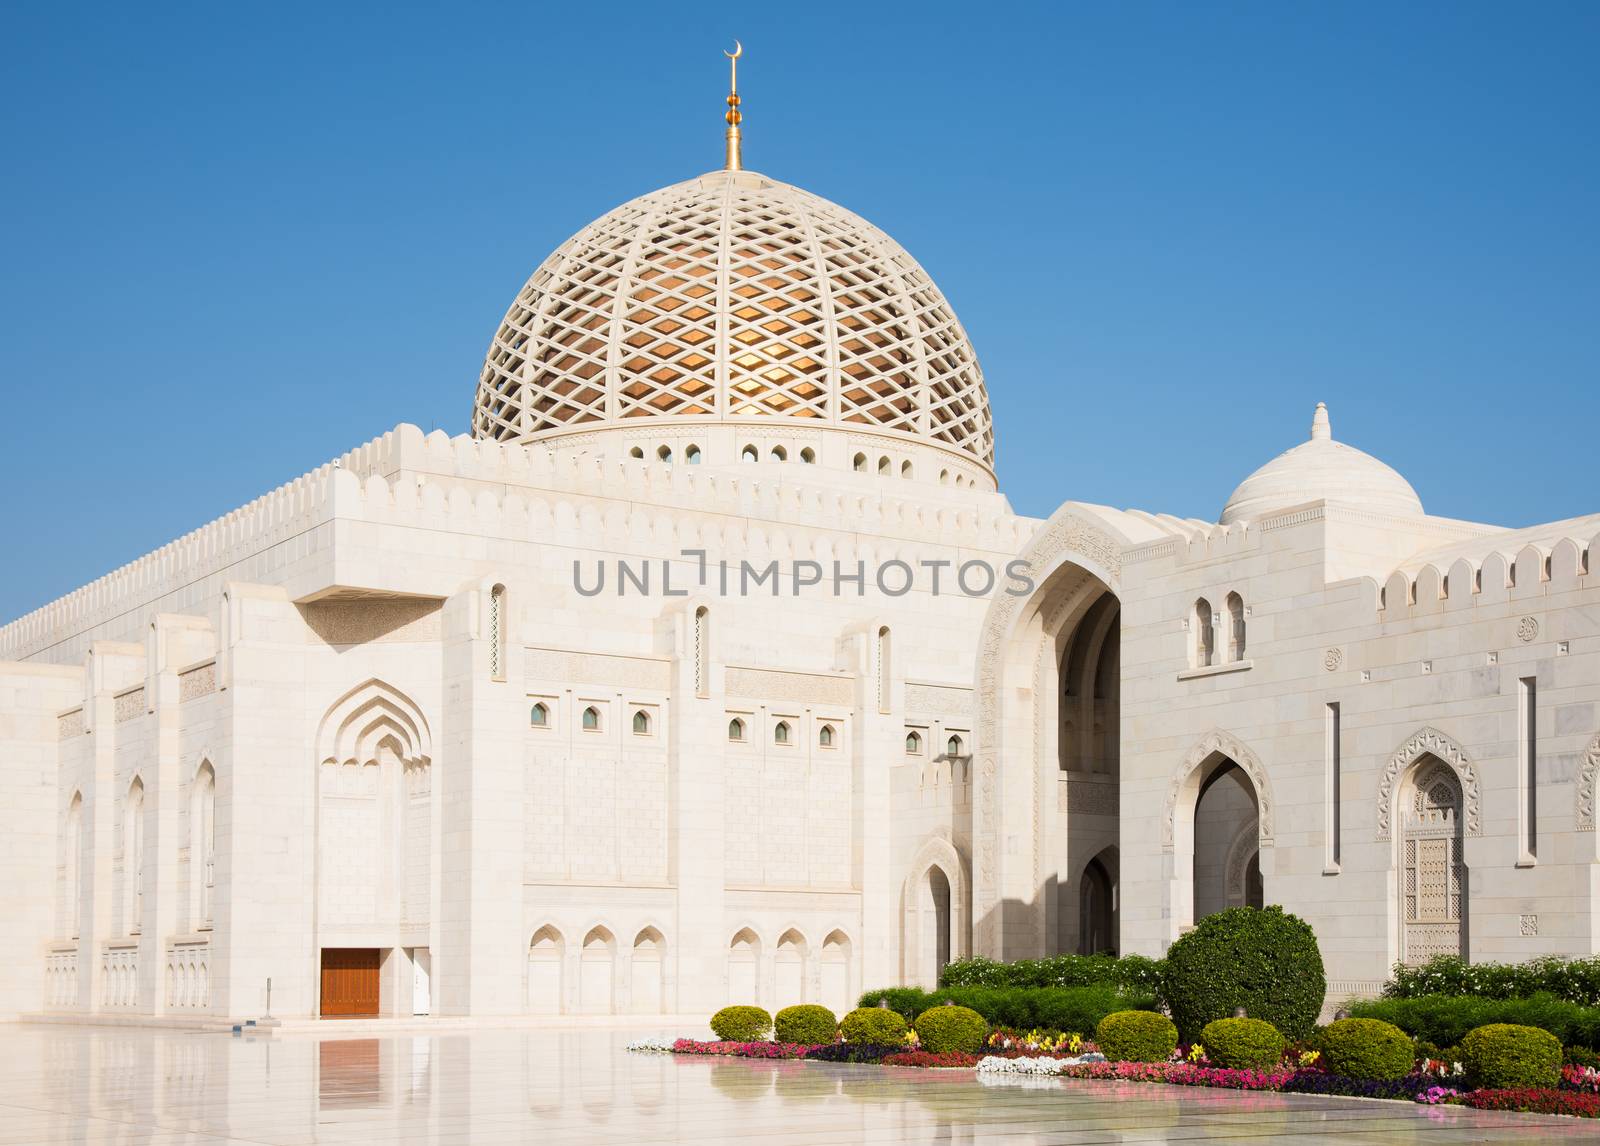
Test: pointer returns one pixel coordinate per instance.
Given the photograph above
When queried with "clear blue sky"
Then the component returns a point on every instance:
(239, 239)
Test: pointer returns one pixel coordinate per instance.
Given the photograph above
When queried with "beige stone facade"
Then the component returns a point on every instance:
(835, 714)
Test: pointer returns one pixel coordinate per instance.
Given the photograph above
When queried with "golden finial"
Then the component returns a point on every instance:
(733, 117)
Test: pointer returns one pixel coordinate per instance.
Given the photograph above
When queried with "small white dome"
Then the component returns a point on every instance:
(1322, 470)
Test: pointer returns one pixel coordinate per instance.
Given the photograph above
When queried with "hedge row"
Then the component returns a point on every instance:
(1130, 972)
(1078, 1009)
(1444, 1020)
(1573, 980)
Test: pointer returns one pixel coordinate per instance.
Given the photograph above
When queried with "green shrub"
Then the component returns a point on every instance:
(1133, 972)
(741, 1024)
(1263, 960)
(806, 1023)
(1580, 1056)
(1367, 1048)
(1573, 980)
(1136, 1036)
(950, 1028)
(874, 1025)
(1425, 1049)
(1444, 1021)
(1506, 1056)
(1052, 1008)
(1243, 1044)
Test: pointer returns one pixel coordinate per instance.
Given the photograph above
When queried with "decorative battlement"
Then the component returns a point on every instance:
(1490, 577)
(468, 484)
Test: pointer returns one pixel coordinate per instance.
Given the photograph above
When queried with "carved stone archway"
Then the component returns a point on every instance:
(1428, 742)
(1009, 911)
(1585, 783)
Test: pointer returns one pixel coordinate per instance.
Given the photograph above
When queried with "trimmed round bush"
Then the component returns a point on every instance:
(1504, 1056)
(1243, 1044)
(741, 1024)
(1261, 959)
(941, 1029)
(806, 1023)
(873, 1026)
(1136, 1036)
(1367, 1048)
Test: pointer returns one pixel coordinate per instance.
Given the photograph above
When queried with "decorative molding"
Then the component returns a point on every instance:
(375, 620)
(129, 705)
(1588, 771)
(1527, 629)
(1428, 742)
(1226, 744)
(197, 681)
(597, 668)
(1529, 926)
(1088, 794)
(69, 724)
(780, 684)
(1216, 670)
(938, 700)
(1333, 658)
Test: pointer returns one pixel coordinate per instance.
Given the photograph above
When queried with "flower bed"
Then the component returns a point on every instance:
(929, 1059)
(741, 1050)
(1576, 1103)
(1173, 1073)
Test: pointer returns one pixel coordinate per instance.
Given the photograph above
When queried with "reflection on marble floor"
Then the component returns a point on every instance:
(105, 1085)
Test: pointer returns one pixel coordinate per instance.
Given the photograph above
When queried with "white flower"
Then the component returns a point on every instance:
(650, 1046)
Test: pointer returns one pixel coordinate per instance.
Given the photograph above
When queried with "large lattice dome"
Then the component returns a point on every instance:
(735, 299)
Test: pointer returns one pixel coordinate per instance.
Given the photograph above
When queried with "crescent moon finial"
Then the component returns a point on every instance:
(738, 50)
(734, 116)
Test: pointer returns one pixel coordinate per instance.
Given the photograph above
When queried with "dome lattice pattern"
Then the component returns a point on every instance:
(732, 297)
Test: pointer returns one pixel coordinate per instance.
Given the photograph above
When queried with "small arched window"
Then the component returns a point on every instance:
(913, 744)
(539, 715)
(884, 465)
(961, 481)
(1205, 637)
(736, 730)
(749, 454)
(825, 736)
(497, 633)
(591, 719)
(692, 455)
(779, 454)
(905, 469)
(780, 732)
(808, 456)
(859, 463)
(1235, 627)
(702, 650)
(664, 453)
(944, 477)
(637, 452)
(641, 723)
(953, 746)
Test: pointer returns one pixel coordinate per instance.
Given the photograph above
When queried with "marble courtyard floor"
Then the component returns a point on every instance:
(487, 1087)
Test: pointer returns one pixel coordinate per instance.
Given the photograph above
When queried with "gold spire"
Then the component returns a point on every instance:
(733, 117)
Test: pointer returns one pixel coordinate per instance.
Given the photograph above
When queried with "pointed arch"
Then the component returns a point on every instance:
(936, 861)
(362, 718)
(547, 950)
(1428, 741)
(1585, 782)
(1197, 762)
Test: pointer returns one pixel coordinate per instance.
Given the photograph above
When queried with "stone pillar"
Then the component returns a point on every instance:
(877, 740)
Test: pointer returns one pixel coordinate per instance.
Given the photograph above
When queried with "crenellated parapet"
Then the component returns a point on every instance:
(1551, 561)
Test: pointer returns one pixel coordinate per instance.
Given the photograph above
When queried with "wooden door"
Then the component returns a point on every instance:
(349, 981)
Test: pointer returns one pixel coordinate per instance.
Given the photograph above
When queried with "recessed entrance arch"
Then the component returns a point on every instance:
(934, 913)
(1217, 829)
(1046, 785)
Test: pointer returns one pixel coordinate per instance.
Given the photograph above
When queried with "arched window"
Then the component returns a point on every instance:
(1235, 627)
(905, 469)
(664, 453)
(883, 669)
(780, 732)
(779, 454)
(859, 463)
(953, 746)
(636, 452)
(133, 855)
(497, 629)
(913, 744)
(692, 455)
(203, 842)
(1205, 639)
(72, 882)
(884, 466)
(736, 730)
(641, 723)
(539, 715)
(808, 456)
(825, 736)
(749, 454)
(944, 477)
(591, 719)
(702, 651)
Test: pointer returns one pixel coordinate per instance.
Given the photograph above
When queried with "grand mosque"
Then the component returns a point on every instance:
(711, 665)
